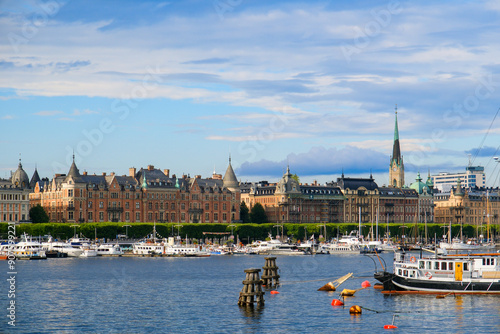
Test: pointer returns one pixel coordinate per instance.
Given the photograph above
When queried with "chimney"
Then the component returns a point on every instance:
(151, 167)
(112, 173)
(197, 176)
(85, 173)
(103, 173)
(166, 172)
(131, 171)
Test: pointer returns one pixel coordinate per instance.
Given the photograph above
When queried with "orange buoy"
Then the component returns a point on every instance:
(274, 292)
(337, 302)
(355, 309)
(390, 327)
(366, 284)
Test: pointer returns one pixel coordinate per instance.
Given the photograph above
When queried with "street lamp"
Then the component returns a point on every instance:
(126, 229)
(75, 226)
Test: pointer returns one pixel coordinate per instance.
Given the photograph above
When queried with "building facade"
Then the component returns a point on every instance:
(145, 195)
(472, 177)
(287, 201)
(475, 206)
(14, 196)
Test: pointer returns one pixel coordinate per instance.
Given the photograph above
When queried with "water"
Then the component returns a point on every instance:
(193, 295)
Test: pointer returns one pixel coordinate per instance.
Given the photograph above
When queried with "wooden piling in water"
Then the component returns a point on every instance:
(252, 289)
(270, 275)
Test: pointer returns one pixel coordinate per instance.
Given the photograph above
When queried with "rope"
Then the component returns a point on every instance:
(484, 138)
(388, 311)
(326, 279)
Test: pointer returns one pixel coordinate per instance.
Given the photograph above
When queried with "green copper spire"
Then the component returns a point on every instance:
(396, 151)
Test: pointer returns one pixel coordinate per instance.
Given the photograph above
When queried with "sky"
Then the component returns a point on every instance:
(313, 85)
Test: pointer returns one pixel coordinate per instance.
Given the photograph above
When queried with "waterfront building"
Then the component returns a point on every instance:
(361, 199)
(14, 196)
(461, 205)
(145, 195)
(472, 177)
(396, 165)
(425, 191)
(288, 201)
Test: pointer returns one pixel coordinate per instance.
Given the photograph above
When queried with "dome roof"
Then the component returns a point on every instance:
(419, 186)
(20, 178)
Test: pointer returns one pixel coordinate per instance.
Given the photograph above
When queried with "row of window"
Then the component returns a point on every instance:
(13, 197)
(13, 217)
(15, 207)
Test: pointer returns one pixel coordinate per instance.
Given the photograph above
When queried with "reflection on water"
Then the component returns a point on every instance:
(192, 295)
(254, 312)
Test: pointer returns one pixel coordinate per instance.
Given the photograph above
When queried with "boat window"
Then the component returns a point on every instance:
(412, 273)
(405, 273)
(399, 272)
(443, 265)
(428, 265)
(450, 265)
(420, 264)
(466, 266)
(484, 261)
(436, 265)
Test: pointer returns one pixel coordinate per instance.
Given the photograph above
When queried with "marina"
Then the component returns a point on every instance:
(157, 294)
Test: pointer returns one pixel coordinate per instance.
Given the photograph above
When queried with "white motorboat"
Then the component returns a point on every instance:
(286, 249)
(263, 247)
(27, 249)
(348, 244)
(109, 250)
(89, 251)
(186, 250)
(148, 248)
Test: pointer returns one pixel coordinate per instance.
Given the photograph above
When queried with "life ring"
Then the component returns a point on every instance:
(413, 259)
(428, 275)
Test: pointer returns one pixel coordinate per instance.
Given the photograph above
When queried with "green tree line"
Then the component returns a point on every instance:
(245, 232)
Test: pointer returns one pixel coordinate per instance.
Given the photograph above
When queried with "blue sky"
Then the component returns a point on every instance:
(313, 84)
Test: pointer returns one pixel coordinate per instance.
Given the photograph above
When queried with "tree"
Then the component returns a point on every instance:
(38, 214)
(244, 213)
(258, 214)
(296, 178)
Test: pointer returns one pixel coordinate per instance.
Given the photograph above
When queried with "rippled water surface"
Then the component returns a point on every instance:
(194, 295)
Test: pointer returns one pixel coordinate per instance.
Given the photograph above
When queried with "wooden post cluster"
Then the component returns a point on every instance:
(252, 289)
(270, 275)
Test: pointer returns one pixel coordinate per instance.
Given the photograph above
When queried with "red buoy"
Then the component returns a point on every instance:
(390, 327)
(366, 284)
(274, 292)
(337, 302)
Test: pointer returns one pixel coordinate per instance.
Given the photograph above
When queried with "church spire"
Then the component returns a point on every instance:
(396, 150)
(396, 167)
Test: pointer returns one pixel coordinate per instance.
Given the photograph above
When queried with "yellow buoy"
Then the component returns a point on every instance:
(355, 309)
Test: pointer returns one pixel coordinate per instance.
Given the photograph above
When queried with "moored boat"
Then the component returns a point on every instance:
(109, 250)
(457, 273)
(27, 249)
